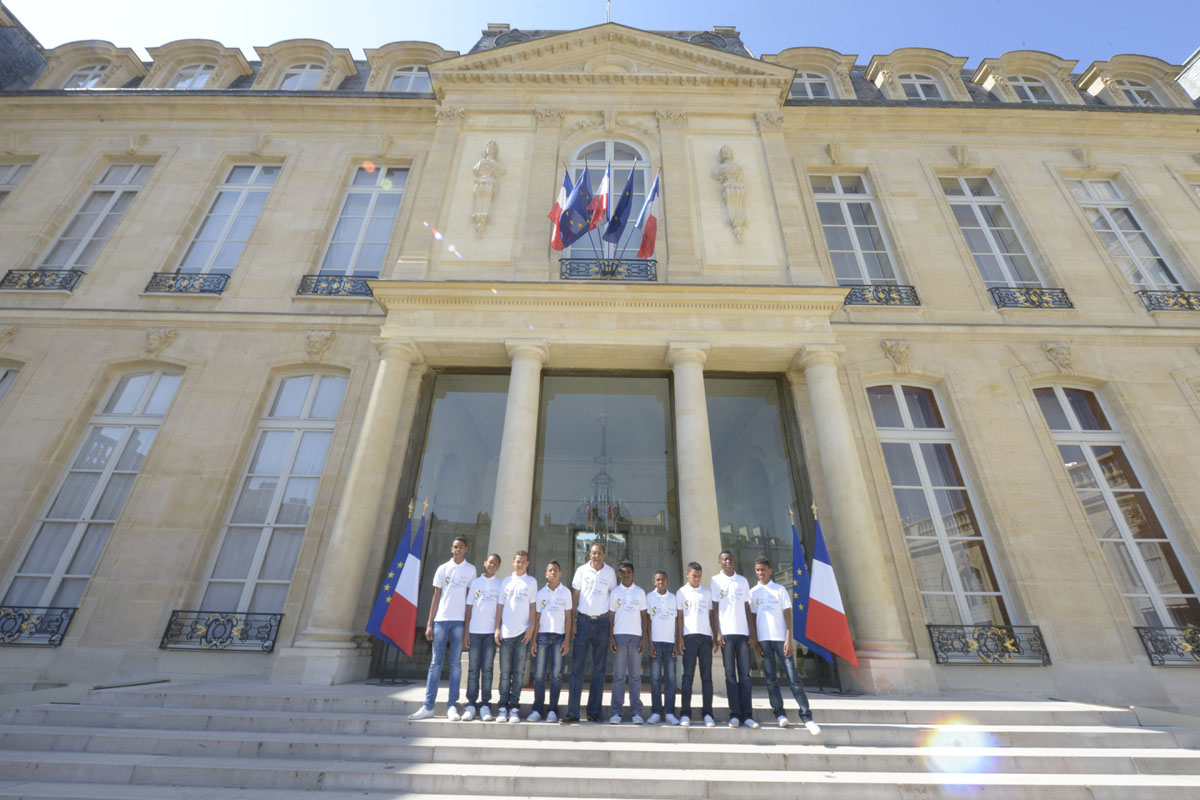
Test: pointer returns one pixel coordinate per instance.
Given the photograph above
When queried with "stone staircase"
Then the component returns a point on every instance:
(251, 741)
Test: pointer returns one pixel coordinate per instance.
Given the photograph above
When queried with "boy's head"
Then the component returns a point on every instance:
(728, 565)
(458, 549)
(520, 561)
(660, 581)
(694, 574)
(553, 573)
(625, 573)
(763, 569)
(491, 565)
(597, 554)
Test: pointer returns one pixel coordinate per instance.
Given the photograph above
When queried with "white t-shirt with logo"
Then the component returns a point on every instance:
(731, 593)
(552, 606)
(593, 587)
(627, 604)
(768, 602)
(662, 611)
(516, 593)
(453, 579)
(694, 605)
(482, 596)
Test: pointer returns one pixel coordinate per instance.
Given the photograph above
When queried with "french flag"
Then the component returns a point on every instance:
(599, 204)
(560, 203)
(394, 616)
(647, 221)
(827, 624)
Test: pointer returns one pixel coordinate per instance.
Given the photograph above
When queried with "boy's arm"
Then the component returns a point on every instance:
(499, 617)
(714, 619)
(433, 606)
(787, 633)
(679, 628)
(612, 630)
(750, 625)
(754, 629)
(467, 627)
(645, 631)
(531, 631)
(568, 629)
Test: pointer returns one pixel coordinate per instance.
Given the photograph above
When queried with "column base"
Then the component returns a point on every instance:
(889, 668)
(321, 667)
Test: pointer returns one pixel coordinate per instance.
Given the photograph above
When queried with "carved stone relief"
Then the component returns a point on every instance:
(316, 342)
(136, 142)
(1059, 354)
(733, 190)
(671, 118)
(157, 340)
(962, 155)
(259, 144)
(546, 115)
(834, 151)
(1085, 156)
(7, 333)
(769, 120)
(488, 172)
(449, 114)
(896, 351)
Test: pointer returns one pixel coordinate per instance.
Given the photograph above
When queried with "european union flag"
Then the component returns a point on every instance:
(801, 583)
(389, 583)
(620, 214)
(576, 219)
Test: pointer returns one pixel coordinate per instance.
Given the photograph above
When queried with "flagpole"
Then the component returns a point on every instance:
(648, 189)
(592, 231)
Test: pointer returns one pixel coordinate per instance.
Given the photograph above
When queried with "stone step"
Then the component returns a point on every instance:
(48, 790)
(798, 754)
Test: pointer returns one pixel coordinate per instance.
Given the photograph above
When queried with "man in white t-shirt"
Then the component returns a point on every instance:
(771, 613)
(731, 594)
(590, 588)
(551, 642)
(514, 632)
(479, 639)
(693, 637)
(445, 627)
(627, 638)
(662, 610)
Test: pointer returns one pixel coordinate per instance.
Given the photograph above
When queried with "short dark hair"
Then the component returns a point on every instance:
(762, 560)
(462, 539)
(521, 553)
(600, 545)
(625, 564)
(662, 572)
(723, 552)
(692, 565)
(495, 556)
(553, 563)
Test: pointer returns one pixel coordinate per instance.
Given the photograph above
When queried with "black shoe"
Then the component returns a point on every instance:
(593, 717)
(569, 719)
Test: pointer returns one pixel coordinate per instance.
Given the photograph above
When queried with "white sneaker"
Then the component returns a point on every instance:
(812, 727)
(708, 721)
(783, 720)
(552, 717)
(654, 719)
(615, 719)
(469, 714)
(685, 721)
(513, 716)
(502, 716)
(452, 714)
(636, 719)
(421, 713)
(671, 719)
(751, 724)
(733, 722)
(485, 714)
(534, 717)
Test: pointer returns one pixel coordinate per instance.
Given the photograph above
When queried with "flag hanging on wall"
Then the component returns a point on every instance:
(560, 202)
(647, 221)
(394, 616)
(801, 583)
(827, 624)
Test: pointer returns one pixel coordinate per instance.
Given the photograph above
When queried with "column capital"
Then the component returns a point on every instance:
(398, 350)
(812, 355)
(527, 348)
(687, 353)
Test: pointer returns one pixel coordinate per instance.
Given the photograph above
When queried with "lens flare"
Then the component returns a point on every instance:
(435, 233)
(369, 166)
(960, 745)
(386, 183)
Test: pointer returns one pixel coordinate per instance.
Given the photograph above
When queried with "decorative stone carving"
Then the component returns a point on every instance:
(316, 342)
(1000, 82)
(961, 155)
(488, 172)
(1084, 156)
(733, 190)
(844, 82)
(16, 141)
(896, 351)
(1196, 157)
(449, 114)
(259, 144)
(1059, 354)
(671, 118)
(834, 151)
(7, 333)
(546, 115)
(625, 122)
(385, 144)
(136, 142)
(769, 120)
(583, 125)
(157, 340)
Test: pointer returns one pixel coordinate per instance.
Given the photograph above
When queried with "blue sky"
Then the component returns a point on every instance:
(1086, 31)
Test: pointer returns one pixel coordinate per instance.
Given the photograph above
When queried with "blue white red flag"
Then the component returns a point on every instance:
(599, 204)
(560, 202)
(398, 621)
(801, 583)
(647, 222)
(827, 624)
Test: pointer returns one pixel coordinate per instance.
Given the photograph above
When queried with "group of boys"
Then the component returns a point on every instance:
(603, 611)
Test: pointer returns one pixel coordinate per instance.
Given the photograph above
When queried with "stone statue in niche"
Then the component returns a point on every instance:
(733, 190)
(488, 172)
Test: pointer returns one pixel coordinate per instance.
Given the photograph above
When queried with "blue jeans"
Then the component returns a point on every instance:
(697, 647)
(482, 654)
(445, 633)
(662, 665)
(627, 669)
(590, 632)
(737, 676)
(773, 653)
(549, 659)
(512, 671)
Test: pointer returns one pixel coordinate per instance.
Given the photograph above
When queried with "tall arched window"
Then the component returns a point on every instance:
(412, 78)
(1030, 89)
(625, 158)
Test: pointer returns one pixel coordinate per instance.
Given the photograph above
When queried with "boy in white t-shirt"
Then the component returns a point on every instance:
(693, 637)
(513, 633)
(479, 639)
(627, 638)
(731, 593)
(445, 627)
(771, 611)
(551, 643)
(662, 610)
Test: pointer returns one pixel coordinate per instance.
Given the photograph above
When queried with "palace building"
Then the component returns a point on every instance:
(250, 310)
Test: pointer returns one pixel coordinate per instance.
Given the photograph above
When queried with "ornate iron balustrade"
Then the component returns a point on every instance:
(989, 644)
(34, 626)
(236, 631)
(335, 285)
(608, 269)
(882, 295)
(1029, 297)
(1175, 300)
(62, 279)
(187, 283)
(1171, 646)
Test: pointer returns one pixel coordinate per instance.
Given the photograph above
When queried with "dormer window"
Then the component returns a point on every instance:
(1030, 89)
(193, 76)
(412, 79)
(919, 86)
(85, 77)
(1138, 93)
(301, 77)
(810, 86)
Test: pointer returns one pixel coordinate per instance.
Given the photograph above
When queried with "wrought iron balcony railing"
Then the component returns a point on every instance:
(335, 285)
(989, 644)
(34, 626)
(1171, 647)
(62, 279)
(1029, 297)
(883, 295)
(1174, 300)
(233, 631)
(608, 269)
(187, 283)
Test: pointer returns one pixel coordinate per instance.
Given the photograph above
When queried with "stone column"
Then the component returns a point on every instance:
(699, 527)
(679, 211)
(511, 509)
(536, 260)
(802, 267)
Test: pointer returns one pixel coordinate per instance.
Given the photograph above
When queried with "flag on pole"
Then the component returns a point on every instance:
(399, 622)
(386, 591)
(620, 214)
(647, 222)
(575, 219)
(599, 204)
(560, 203)
(827, 624)
(800, 598)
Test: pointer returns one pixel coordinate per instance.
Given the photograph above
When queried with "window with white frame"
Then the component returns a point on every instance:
(1030, 89)
(10, 176)
(301, 77)
(857, 245)
(192, 76)
(364, 228)
(810, 86)
(626, 159)
(230, 220)
(71, 531)
(989, 232)
(8, 376)
(411, 78)
(94, 222)
(265, 527)
(918, 86)
(1150, 574)
(85, 77)
(1138, 93)
(946, 540)
(1112, 217)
